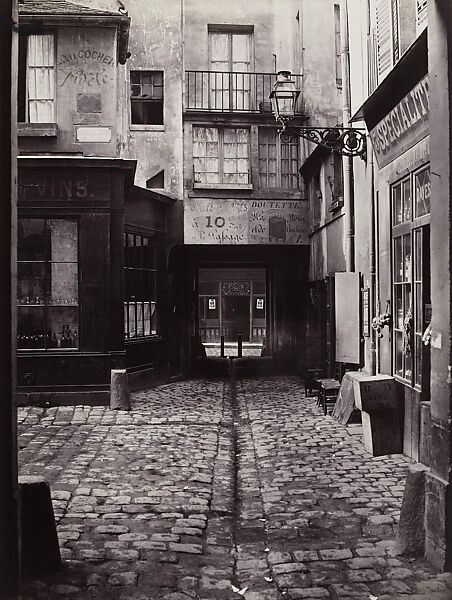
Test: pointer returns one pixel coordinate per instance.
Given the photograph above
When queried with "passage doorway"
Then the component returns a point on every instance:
(232, 302)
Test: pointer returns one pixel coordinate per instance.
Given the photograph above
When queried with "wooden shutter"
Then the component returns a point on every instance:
(421, 16)
(383, 30)
(347, 302)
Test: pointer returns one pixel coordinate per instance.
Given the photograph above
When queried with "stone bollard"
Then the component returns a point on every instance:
(119, 390)
(39, 547)
(411, 533)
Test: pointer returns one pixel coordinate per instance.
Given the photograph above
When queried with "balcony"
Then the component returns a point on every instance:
(231, 92)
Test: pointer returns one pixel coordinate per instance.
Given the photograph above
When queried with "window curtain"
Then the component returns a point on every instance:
(41, 78)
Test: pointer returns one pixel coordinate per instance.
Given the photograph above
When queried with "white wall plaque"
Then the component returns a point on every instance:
(92, 133)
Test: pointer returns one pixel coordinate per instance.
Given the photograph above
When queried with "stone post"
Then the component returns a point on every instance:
(119, 390)
(438, 495)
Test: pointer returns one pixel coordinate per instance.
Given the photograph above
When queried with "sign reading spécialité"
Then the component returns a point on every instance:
(403, 126)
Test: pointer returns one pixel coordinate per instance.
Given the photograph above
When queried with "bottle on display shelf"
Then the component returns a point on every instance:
(75, 339)
(54, 343)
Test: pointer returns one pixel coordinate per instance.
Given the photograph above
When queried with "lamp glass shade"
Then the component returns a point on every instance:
(284, 96)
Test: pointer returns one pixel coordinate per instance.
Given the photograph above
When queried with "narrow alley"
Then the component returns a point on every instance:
(211, 490)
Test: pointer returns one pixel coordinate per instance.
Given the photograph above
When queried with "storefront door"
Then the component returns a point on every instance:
(236, 311)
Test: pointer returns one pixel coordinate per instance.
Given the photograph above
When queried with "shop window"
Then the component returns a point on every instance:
(36, 78)
(278, 161)
(146, 97)
(221, 156)
(47, 284)
(140, 282)
(411, 274)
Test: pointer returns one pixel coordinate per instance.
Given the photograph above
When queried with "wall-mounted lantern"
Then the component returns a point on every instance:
(347, 141)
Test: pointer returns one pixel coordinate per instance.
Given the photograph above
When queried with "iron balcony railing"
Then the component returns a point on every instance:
(226, 91)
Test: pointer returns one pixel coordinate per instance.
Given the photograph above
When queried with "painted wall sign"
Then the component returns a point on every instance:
(65, 187)
(403, 126)
(218, 221)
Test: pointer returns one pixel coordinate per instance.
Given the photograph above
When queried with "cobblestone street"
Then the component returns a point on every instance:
(213, 490)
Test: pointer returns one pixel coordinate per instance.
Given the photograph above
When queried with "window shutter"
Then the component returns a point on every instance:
(383, 26)
(421, 16)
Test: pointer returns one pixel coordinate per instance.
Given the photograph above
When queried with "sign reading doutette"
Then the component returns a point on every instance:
(219, 221)
(403, 126)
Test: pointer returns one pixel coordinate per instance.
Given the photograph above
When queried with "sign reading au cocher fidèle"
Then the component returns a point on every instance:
(403, 126)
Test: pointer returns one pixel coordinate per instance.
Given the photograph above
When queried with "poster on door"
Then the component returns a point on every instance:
(218, 221)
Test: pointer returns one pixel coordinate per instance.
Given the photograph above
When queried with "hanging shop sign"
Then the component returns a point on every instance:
(225, 221)
(403, 126)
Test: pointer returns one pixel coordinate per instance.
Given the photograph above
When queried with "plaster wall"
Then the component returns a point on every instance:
(155, 43)
(321, 95)
(273, 37)
(86, 94)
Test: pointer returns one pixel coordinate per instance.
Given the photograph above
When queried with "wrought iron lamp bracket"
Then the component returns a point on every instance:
(342, 140)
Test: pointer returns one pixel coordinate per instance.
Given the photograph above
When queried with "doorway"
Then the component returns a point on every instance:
(236, 318)
(232, 302)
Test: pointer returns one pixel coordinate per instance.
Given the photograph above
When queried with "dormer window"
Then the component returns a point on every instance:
(36, 94)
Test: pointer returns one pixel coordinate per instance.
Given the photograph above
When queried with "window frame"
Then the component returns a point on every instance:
(23, 100)
(221, 184)
(44, 304)
(410, 278)
(146, 126)
(151, 301)
(279, 160)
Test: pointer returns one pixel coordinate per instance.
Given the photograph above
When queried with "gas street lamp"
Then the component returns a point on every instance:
(343, 140)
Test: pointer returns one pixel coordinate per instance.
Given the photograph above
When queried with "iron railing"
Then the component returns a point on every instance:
(225, 91)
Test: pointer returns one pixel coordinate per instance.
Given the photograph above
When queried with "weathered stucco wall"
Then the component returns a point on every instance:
(155, 43)
(86, 91)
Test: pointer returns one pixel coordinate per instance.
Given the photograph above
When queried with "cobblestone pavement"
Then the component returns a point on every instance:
(208, 490)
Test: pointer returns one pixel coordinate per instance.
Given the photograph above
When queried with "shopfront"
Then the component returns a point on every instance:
(401, 143)
(70, 330)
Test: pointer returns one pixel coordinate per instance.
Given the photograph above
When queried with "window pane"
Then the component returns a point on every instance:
(398, 300)
(397, 204)
(422, 193)
(62, 322)
(398, 353)
(219, 48)
(407, 257)
(31, 327)
(406, 191)
(31, 283)
(64, 244)
(32, 240)
(398, 262)
(64, 284)
(132, 320)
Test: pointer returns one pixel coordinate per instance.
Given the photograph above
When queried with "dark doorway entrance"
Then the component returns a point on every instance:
(236, 310)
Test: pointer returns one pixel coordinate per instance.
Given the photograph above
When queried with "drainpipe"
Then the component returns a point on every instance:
(373, 276)
(347, 164)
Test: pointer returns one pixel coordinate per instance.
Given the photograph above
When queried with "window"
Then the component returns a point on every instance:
(140, 275)
(221, 156)
(337, 44)
(146, 97)
(36, 81)
(386, 31)
(278, 161)
(47, 284)
(411, 273)
(230, 64)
